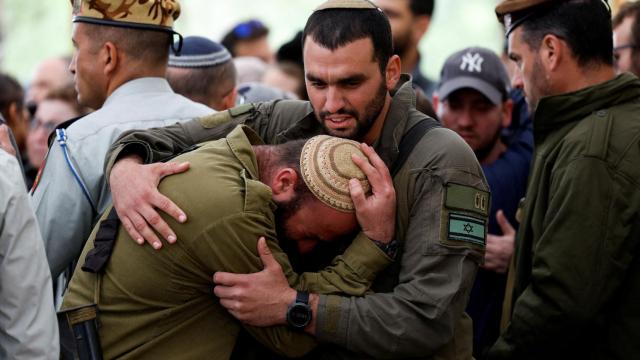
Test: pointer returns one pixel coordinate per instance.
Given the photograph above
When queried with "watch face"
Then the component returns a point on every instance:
(299, 315)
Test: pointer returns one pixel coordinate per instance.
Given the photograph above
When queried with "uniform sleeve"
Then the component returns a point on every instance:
(28, 325)
(63, 212)
(579, 262)
(421, 313)
(159, 144)
(230, 245)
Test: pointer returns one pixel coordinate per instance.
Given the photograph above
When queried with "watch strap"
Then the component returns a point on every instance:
(302, 297)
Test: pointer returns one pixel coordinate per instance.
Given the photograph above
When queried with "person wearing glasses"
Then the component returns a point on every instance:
(55, 108)
(626, 37)
(249, 38)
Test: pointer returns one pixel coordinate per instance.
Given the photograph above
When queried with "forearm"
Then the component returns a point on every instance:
(413, 324)
(151, 145)
(349, 274)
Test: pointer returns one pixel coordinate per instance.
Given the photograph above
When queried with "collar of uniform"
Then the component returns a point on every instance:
(240, 141)
(387, 144)
(139, 86)
(554, 112)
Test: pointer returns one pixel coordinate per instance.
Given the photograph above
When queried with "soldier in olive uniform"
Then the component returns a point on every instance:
(357, 92)
(577, 273)
(160, 305)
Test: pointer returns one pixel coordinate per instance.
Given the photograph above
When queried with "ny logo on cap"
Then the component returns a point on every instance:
(472, 62)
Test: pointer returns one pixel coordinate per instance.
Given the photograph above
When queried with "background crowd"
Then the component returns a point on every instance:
(477, 93)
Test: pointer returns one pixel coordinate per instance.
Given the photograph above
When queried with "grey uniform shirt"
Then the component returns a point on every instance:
(28, 326)
(64, 214)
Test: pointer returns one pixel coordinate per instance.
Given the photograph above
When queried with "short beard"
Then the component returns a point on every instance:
(401, 44)
(540, 83)
(484, 151)
(363, 124)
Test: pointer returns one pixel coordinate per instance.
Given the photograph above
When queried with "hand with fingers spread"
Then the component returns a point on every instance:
(376, 213)
(5, 140)
(258, 299)
(500, 248)
(134, 189)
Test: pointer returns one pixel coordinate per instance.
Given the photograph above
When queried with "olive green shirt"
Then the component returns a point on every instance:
(160, 305)
(442, 195)
(577, 289)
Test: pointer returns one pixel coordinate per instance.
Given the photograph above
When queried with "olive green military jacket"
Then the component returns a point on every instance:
(578, 265)
(418, 310)
(160, 304)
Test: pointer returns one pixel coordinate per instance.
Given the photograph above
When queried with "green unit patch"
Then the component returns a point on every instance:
(466, 228)
(466, 198)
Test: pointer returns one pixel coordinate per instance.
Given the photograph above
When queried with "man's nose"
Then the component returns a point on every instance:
(516, 81)
(465, 119)
(335, 100)
(72, 65)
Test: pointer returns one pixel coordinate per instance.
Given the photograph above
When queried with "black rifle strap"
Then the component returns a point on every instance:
(98, 257)
(409, 141)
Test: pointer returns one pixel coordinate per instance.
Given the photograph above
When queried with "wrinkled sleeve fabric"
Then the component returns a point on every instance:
(230, 244)
(579, 260)
(28, 325)
(159, 144)
(59, 193)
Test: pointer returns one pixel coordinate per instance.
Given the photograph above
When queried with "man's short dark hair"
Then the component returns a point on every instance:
(10, 93)
(334, 28)
(585, 25)
(630, 9)
(203, 84)
(149, 46)
(245, 31)
(421, 7)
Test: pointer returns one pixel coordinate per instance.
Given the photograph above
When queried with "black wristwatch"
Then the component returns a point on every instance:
(390, 248)
(299, 313)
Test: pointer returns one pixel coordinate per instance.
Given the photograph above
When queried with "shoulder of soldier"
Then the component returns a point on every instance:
(442, 148)
(277, 110)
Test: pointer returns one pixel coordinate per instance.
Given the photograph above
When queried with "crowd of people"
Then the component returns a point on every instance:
(176, 197)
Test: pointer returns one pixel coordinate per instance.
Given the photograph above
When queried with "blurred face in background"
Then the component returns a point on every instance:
(477, 120)
(50, 113)
(625, 52)
(406, 28)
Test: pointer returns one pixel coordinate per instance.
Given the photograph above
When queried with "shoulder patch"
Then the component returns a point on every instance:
(466, 198)
(464, 218)
(466, 228)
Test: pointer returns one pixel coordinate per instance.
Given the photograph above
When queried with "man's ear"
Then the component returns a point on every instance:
(435, 99)
(393, 71)
(283, 183)
(552, 52)
(109, 58)
(420, 27)
(507, 113)
(229, 100)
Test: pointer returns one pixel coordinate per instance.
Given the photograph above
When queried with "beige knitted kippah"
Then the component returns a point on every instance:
(327, 167)
(346, 4)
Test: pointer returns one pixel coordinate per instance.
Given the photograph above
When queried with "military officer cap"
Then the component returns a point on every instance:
(512, 13)
(137, 14)
(326, 167)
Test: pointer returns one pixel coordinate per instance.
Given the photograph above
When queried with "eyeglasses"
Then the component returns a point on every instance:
(48, 127)
(617, 49)
(247, 28)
